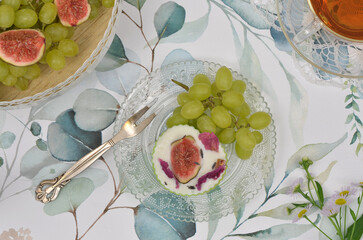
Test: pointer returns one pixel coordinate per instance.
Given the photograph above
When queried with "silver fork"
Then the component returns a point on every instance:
(48, 190)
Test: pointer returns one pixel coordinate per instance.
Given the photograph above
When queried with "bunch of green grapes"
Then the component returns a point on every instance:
(221, 108)
(41, 15)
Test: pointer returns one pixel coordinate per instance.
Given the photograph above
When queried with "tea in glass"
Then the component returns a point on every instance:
(342, 17)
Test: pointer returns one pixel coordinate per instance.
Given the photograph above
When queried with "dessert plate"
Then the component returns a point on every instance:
(242, 179)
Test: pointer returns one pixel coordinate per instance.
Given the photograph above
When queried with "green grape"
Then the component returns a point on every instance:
(43, 60)
(57, 31)
(245, 139)
(68, 47)
(243, 153)
(15, 4)
(71, 31)
(9, 80)
(200, 91)
(243, 110)
(108, 3)
(221, 117)
(22, 84)
(47, 1)
(193, 123)
(192, 109)
(48, 40)
(201, 78)
(183, 98)
(232, 99)
(218, 130)
(177, 110)
(259, 120)
(24, 2)
(94, 11)
(239, 86)
(17, 71)
(48, 13)
(205, 124)
(217, 101)
(227, 135)
(176, 119)
(97, 3)
(56, 59)
(25, 18)
(32, 72)
(215, 90)
(258, 136)
(224, 78)
(7, 16)
(4, 70)
(233, 120)
(242, 122)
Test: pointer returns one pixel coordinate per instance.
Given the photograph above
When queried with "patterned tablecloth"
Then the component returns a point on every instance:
(320, 122)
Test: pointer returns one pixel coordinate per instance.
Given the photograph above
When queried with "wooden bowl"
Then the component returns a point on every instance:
(91, 36)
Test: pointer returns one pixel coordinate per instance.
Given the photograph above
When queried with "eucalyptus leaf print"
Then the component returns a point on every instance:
(153, 226)
(280, 40)
(177, 55)
(95, 110)
(278, 232)
(35, 128)
(169, 19)
(1, 161)
(247, 13)
(314, 152)
(136, 3)
(7, 139)
(34, 160)
(71, 197)
(67, 142)
(115, 56)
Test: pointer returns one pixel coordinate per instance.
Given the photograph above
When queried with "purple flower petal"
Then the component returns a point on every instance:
(166, 169)
(210, 141)
(215, 174)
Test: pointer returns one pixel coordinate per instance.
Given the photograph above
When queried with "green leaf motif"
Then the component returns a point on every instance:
(35, 129)
(91, 114)
(357, 119)
(359, 146)
(245, 10)
(212, 227)
(314, 152)
(349, 96)
(1, 161)
(169, 19)
(352, 214)
(320, 192)
(7, 139)
(71, 196)
(278, 232)
(190, 32)
(136, 3)
(349, 105)
(41, 144)
(355, 106)
(115, 56)
(349, 118)
(358, 232)
(355, 137)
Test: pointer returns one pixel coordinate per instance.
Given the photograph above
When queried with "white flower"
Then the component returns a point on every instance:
(301, 214)
(295, 187)
(330, 209)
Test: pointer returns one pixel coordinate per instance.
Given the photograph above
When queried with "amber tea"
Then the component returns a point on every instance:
(342, 17)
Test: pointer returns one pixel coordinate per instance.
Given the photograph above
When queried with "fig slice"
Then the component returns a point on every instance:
(72, 12)
(185, 159)
(22, 47)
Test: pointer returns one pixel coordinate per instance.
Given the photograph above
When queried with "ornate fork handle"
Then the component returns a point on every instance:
(48, 190)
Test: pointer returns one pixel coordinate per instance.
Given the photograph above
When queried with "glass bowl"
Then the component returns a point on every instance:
(243, 178)
(91, 50)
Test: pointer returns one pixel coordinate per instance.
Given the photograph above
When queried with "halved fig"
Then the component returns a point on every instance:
(185, 159)
(22, 47)
(72, 12)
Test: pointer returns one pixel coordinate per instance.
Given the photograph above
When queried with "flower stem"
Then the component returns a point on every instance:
(317, 227)
(345, 220)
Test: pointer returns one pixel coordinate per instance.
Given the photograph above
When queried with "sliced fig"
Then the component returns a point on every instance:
(185, 159)
(22, 47)
(72, 12)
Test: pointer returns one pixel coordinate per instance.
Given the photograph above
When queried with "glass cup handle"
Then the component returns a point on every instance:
(307, 31)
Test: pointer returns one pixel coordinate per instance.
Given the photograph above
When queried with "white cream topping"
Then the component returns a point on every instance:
(163, 149)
